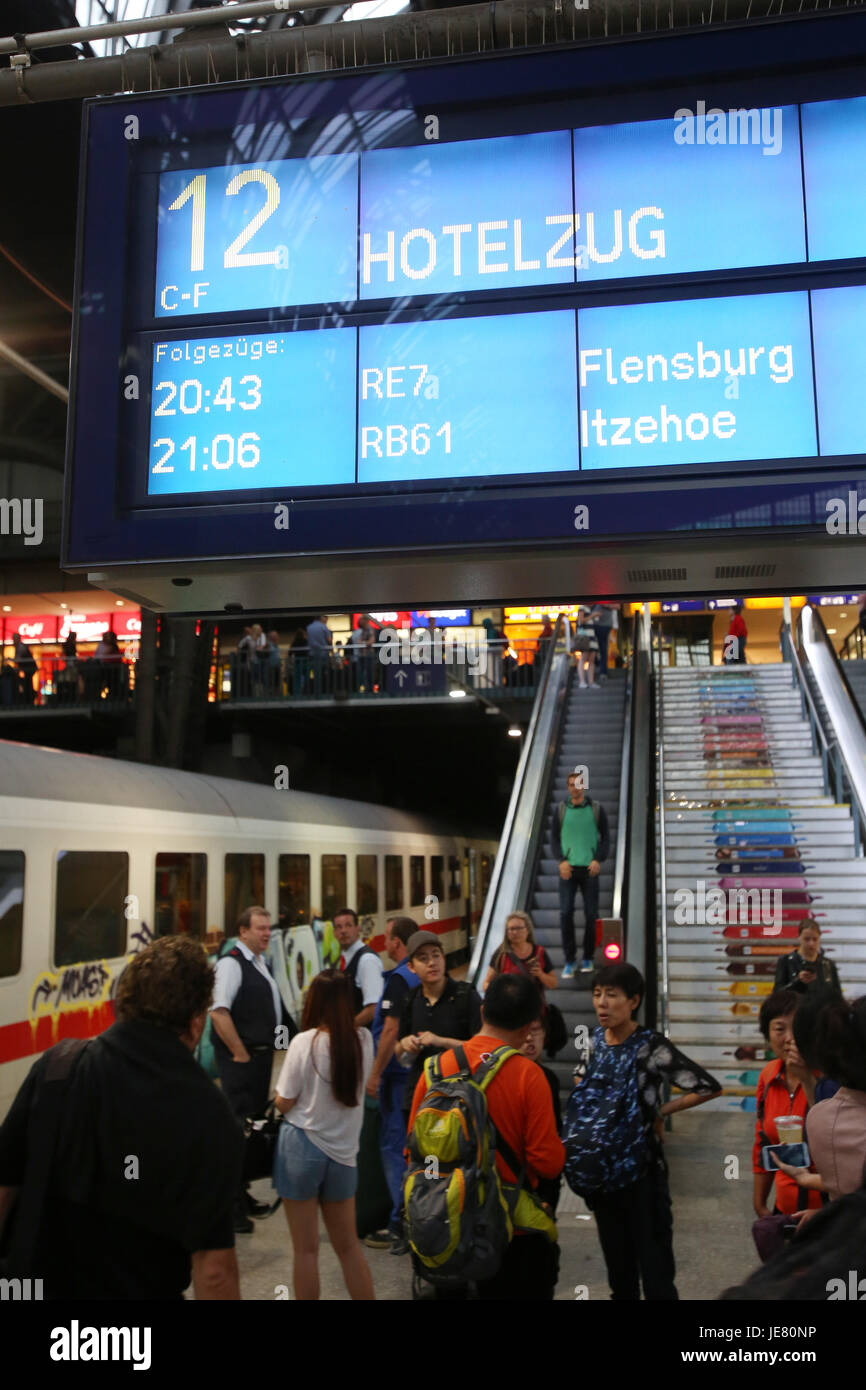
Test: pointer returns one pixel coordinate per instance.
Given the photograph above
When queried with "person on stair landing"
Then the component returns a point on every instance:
(807, 970)
(734, 646)
(580, 843)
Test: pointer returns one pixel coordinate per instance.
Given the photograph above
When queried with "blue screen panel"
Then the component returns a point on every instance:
(253, 412)
(463, 398)
(834, 156)
(464, 216)
(650, 205)
(278, 233)
(696, 381)
(838, 317)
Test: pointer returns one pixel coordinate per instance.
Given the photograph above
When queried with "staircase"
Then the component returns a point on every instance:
(591, 734)
(745, 809)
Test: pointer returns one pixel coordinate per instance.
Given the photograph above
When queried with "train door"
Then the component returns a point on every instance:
(470, 892)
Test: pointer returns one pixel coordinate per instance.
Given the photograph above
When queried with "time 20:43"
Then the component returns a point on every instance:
(192, 396)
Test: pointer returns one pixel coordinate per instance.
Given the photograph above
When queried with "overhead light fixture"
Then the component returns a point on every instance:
(118, 603)
(457, 694)
(7, 608)
(63, 605)
(831, 632)
(515, 731)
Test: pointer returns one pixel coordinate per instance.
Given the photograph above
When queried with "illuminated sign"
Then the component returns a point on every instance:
(308, 323)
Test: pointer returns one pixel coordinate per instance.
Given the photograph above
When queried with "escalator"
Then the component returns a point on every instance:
(606, 732)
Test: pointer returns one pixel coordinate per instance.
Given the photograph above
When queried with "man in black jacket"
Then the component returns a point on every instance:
(807, 970)
(119, 1164)
(580, 843)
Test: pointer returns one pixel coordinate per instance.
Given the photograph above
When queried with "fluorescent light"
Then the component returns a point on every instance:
(457, 694)
(374, 9)
(831, 632)
(515, 731)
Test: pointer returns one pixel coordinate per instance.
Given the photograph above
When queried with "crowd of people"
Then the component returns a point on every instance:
(473, 1140)
(72, 678)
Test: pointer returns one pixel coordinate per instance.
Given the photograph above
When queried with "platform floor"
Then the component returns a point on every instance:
(712, 1227)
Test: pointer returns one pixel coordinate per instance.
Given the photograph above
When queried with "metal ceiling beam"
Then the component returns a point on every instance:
(508, 24)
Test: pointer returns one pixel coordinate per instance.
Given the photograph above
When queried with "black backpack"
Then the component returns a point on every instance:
(351, 971)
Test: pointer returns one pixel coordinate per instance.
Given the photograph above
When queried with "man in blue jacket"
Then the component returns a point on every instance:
(580, 843)
(388, 1078)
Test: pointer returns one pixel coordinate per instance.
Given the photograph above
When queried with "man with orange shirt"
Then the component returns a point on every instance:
(520, 1107)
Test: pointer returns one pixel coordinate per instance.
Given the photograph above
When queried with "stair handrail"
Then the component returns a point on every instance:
(847, 742)
(663, 980)
(624, 778)
(511, 877)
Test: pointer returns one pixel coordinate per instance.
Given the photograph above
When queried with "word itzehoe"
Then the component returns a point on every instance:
(22, 516)
(735, 127)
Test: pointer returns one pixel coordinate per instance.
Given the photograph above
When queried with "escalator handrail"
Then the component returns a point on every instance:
(848, 728)
(839, 667)
(624, 828)
(663, 981)
(492, 908)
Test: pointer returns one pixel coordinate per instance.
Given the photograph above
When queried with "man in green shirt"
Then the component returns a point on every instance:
(580, 843)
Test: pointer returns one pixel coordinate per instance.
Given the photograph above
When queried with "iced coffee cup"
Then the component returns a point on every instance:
(789, 1128)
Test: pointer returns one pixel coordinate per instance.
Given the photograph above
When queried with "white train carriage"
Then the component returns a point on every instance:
(98, 857)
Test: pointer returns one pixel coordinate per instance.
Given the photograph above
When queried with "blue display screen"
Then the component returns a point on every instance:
(442, 290)
(713, 191)
(698, 381)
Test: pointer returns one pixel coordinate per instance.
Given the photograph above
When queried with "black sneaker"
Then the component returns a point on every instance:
(378, 1240)
(255, 1208)
(399, 1245)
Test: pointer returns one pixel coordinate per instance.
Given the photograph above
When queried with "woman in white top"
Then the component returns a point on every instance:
(321, 1090)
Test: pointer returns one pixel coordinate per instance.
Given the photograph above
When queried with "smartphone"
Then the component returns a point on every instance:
(795, 1154)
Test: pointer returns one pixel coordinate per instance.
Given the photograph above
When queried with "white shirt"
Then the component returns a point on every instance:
(368, 976)
(306, 1078)
(229, 976)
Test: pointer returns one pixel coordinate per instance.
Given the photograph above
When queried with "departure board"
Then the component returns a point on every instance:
(356, 290)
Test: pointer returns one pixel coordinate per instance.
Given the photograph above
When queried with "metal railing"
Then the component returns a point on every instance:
(511, 881)
(498, 669)
(65, 683)
(854, 645)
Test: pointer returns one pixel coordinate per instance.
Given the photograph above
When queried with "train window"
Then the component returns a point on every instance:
(294, 901)
(333, 884)
(11, 910)
(486, 873)
(437, 876)
(89, 920)
(181, 895)
(393, 882)
(366, 874)
(455, 878)
(416, 880)
(244, 887)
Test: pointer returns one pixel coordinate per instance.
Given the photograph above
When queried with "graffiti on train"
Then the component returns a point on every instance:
(84, 985)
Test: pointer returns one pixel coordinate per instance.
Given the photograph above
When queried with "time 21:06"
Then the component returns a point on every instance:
(222, 451)
(191, 396)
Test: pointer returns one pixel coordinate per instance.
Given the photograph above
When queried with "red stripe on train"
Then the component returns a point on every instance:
(19, 1040)
(377, 943)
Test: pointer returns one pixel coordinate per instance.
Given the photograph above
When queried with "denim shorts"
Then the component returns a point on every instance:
(302, 1171)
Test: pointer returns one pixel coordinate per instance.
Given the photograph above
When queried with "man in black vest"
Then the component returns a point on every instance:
(361, 966)
(245, 1013)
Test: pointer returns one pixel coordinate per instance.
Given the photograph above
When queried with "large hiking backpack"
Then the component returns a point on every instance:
(458, 1212)
(605, 1132)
